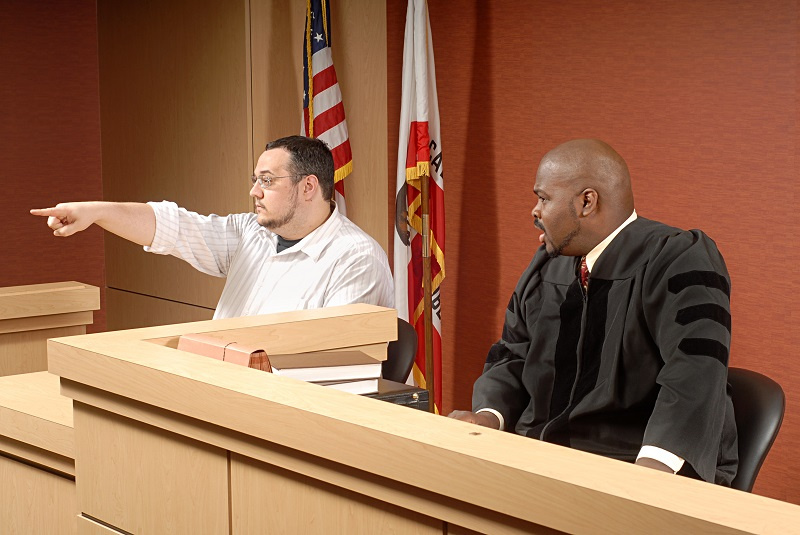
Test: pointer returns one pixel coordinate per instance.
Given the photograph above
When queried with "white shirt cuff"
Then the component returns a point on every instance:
(499, 417)
(662, 456)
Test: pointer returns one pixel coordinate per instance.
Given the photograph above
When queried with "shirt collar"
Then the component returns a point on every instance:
(315, 241)
(595, 253)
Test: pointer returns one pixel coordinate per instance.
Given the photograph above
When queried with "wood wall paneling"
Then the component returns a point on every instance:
(359, 56)
(174, 113)
(185, 118)
(127, 310)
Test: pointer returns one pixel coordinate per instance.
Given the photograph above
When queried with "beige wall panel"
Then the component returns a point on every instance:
(35, 501)
(126, 310)
(359, 49)
(174, 118)
(359, 55)
(25, 352)
(187, 481)
(298, 504)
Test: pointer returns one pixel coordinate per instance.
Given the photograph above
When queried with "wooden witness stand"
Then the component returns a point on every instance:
(166, 442)
(29, 315)
(37, 454)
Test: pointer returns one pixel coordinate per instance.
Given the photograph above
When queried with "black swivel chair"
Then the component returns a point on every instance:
(758, 403)
(400, 353)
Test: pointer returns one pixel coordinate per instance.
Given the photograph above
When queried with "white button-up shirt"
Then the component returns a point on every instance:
(336, 264)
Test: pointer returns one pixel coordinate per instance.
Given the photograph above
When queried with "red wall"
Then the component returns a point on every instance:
(700, 98)
(49, 139)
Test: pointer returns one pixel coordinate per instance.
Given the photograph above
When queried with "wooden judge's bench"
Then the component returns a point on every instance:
(168, 442)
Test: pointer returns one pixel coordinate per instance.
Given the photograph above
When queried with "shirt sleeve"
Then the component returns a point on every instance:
(499, 417)
(206, 242)
(687, 308)
(674, 462)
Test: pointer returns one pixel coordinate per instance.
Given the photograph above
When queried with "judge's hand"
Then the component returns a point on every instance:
(67, 218)
(486, 419)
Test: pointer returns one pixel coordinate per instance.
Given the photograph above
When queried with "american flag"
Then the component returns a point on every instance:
(323, 110)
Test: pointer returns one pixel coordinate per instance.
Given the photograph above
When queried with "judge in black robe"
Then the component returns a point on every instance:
(639, 358)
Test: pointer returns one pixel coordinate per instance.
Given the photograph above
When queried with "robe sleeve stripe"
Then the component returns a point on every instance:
(705, 347)
(709, 279)
(497, 353)
(708, 311)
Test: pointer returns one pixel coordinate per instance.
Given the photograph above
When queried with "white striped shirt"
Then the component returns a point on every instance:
(336, 264)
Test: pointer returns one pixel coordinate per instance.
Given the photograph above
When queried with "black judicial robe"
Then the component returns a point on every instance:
(642, 359)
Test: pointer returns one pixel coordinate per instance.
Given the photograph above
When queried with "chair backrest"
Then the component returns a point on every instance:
(400, 353)
(758, 403)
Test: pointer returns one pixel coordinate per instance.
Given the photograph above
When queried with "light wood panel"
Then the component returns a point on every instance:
(481, 479)
(311, 507)
(362, 327)
(87, 526)
(359, 56)
(47, 299)
(174, 114)
(26, 352)
(406, 496)
(47, 322)
(31, 314)
(127, 310)
(37, 467)
(186, 481)
(36, 421)
(35, 501)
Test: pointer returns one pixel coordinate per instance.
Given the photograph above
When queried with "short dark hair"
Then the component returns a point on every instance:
(308, 156)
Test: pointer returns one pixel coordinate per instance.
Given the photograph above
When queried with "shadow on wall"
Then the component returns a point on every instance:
(477, 289)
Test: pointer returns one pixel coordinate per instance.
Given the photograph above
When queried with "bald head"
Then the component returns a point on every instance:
(584, 186)
(591, 163)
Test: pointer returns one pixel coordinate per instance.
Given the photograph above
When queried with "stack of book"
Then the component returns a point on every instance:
(348, 371)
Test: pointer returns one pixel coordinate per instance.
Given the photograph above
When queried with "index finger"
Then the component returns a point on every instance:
(47, 212)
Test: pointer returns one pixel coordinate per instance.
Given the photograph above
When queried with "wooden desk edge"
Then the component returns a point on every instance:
(447, 442)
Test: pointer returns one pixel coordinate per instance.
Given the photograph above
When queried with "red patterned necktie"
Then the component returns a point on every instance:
(584, 274)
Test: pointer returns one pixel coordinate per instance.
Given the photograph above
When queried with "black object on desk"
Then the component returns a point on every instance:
(401, 394)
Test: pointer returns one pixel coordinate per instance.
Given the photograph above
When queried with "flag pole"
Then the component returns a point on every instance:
(427, 306)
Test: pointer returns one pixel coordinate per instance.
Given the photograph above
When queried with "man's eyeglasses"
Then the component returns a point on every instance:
(265, 181)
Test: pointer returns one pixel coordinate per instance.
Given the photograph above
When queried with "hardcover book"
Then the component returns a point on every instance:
(216, 348)
(316, 367)
(326, 366)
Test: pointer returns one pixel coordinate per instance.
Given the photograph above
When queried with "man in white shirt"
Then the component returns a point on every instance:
(295, 252)
(617, 335)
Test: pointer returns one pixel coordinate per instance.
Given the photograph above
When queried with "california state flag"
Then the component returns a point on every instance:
(419, 154)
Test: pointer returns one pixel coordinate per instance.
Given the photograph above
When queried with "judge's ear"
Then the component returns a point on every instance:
(310, 186)
(588, 201)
